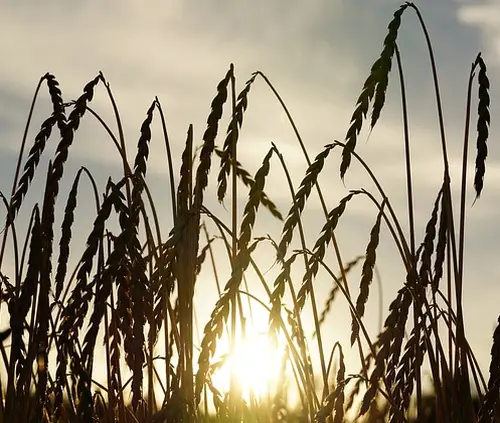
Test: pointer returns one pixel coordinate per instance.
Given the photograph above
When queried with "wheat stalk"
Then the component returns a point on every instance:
(373, 90)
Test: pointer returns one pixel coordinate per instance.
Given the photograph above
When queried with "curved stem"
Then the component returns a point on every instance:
(126, 167)
(463, 189)
(409, 185)
(324, 371)
(461, 367)
(387, 221)
(411, 222)
(321, 198)
(405, 252)
(169, 158)
(18, 165)
(306, 155)
(311, 394)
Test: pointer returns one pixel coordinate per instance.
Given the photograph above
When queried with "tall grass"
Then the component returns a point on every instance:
(133, 287)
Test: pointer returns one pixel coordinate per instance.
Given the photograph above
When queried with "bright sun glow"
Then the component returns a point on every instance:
(256, 364)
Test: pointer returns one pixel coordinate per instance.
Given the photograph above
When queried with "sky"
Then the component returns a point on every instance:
(317, 54)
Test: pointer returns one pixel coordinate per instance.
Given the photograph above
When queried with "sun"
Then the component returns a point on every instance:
(256, 364)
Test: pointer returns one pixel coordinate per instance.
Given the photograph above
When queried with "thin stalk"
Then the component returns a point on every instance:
(19, 160)
(308, 160)
(351, 305)
(234, 403)
(409, 185)
(307, 382)
(387, 221)
(15, 247)
(411, 221)
(302, 366)
(151, 345)
(436, 88)
(212, 260)
(301, 394)
(434, 362)
(322, 200)
(72, 277)
(169, 159)
(463, 189)
(453, 318)
(378, 279)
(282, 324)
(310, 392)
(450, 299)
(313, 295)
(128, 173)
(400, 239)
(458, 276)
(25, 249)
(167, 349)
(461, 246)
(332, 356)
(353, 308)
(66, 385)
(111, 398)
(460, 352)
(121, 136)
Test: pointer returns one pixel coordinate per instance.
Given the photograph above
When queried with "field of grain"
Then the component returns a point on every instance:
(113, 334)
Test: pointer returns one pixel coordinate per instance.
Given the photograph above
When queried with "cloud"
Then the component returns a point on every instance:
(176, 50)
(485, 17)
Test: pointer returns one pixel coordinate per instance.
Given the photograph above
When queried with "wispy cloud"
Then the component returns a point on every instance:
(485, 17)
